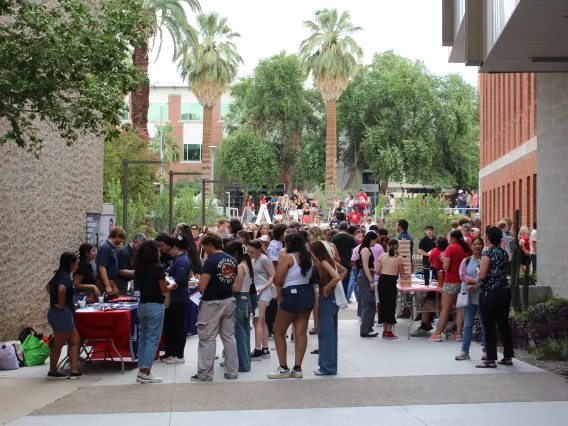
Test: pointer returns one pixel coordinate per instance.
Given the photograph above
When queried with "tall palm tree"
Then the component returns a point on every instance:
(166, 15)
(210, 66)
(333, 57)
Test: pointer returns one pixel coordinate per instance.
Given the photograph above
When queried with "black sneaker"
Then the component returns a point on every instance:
(75, 376)
(57, 376)
(265, 353)
(257, 355)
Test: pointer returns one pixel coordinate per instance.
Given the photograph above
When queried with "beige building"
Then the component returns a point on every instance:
(43, 207)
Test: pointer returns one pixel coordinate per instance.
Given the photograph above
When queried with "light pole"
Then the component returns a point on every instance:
(212, 149)
(229, 203)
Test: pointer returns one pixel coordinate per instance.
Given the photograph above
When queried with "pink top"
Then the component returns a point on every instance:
(377, 251)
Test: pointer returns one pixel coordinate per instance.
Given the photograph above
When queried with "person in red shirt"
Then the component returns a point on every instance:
(355, 217)
(525, 244)
(453, 256)
(436, 258)
(362, 194)
(466, 231)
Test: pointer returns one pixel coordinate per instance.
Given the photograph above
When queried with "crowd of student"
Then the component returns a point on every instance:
(278, 275)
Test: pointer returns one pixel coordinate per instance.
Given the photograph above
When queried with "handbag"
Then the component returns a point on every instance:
(463, 300)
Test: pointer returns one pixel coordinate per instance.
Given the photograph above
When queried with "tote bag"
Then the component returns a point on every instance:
(463, 300)
(35, 351)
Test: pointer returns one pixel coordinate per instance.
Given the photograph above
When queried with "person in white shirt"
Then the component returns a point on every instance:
(533, 240)
(392, 203)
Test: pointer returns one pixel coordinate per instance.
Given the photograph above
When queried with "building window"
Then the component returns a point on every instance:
(191, 152)
(191, 112)
(125, 112)
(158, 112)
(225, 110)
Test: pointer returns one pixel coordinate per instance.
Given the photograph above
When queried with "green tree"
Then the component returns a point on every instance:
(274, 103)
(310, 161)
(411, 126)
(168, 15)
(171, 147)
(141, 177)
(332, 56)
(65, 65)
(210, 65)
(250, 159)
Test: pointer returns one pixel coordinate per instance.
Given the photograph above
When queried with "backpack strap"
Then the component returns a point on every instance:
(467, 261)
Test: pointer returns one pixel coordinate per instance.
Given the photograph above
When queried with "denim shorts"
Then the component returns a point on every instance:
(298, 298)
(61, 320)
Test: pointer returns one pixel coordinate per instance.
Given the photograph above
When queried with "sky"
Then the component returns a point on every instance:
(412, 28)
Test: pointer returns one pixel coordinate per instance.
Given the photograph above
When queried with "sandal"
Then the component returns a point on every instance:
(313, 331)
(315, 352)
(505, 361)
(487, 364)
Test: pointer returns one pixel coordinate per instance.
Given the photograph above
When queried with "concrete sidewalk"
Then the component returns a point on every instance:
(402, 379)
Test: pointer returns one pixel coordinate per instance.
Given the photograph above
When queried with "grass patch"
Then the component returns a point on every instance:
(553, 350)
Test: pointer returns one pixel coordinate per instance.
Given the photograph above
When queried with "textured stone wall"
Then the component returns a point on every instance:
(552, 184)
(43, 204)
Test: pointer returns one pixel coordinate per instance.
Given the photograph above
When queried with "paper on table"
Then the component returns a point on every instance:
(196, 298)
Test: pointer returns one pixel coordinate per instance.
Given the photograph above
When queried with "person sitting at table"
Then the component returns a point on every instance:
(107, 262)
(84, 280)
(125, 257)
(174, 321)
(216, 310)
(389, 266)
(430, 303)
(61, 317)
(151, 281)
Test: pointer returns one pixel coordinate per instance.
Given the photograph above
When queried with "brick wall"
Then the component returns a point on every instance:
(507, 122)
(510, 188)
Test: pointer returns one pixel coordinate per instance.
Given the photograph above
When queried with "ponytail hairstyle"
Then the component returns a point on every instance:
(239, 251)
(458, 236)
(393, 247)
(191, 248)
(84, 251)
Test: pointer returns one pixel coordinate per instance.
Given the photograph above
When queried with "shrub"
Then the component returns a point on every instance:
(553, 349)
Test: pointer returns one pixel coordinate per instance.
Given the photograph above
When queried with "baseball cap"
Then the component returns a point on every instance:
(460, 191)
(343, 225)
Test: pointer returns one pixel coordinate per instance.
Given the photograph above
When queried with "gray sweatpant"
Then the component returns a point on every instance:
(216, 317)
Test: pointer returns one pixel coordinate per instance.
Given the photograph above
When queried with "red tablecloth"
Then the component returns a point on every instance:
(113, 325)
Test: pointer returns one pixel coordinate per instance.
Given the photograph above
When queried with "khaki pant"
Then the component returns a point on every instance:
(216, 317)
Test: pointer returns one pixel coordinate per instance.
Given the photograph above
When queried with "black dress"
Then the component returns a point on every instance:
(387, 298)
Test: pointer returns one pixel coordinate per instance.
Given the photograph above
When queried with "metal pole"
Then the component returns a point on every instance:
(229, 203)
(203, 202)
(162, 142)
(125, 197)
(212, 172)
(171, 221)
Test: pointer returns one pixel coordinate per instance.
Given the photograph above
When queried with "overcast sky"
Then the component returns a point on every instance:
(412, 28)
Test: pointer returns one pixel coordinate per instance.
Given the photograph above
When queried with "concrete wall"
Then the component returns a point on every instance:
(43, 204)
(552, 184)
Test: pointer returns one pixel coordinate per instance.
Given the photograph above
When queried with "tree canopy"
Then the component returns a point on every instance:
(410, 125)
(249, 159)
(66, 66)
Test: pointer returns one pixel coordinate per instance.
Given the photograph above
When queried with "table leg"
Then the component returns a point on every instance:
(118, 353)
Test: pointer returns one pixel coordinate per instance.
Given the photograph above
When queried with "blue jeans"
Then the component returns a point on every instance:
(469, 313)
(352, 288)
(327, 334)
(151, 318)
(242, 330)
(345, 282)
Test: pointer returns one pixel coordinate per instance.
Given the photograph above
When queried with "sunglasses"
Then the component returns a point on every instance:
(194, 229)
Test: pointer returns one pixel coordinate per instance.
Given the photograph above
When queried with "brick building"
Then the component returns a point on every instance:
(508, 146)
(520, 49)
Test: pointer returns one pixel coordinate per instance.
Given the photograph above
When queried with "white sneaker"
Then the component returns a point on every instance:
(166, 360)
(174, 360)
(148, 378)
(280, 373)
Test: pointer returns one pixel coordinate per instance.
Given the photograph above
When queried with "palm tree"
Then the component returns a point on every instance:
(171, 147)
(333, 57)
(169, 15)
(210, 66)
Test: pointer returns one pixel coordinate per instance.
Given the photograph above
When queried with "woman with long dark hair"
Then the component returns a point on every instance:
(264, 272)
(366, 284)
(151, 281)
(61, 317)
(244, 280)
(457, 251)
(235, 226)
(495, 298)
(331, 274)
(297, 301)
(389, 267)
(191, 249)
(84, 280)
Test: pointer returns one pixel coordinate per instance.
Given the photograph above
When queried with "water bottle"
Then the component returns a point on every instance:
(426, 275)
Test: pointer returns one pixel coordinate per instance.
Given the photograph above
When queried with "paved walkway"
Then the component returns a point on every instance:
(403, 382)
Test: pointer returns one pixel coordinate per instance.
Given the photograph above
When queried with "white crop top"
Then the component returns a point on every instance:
(294, 275)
